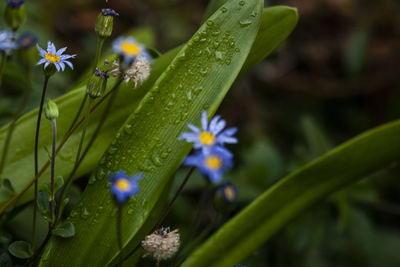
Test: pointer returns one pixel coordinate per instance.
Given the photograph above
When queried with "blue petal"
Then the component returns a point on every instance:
(62, 65)
(46, 64)
(69, 64)
(193, 128)
(204, 120)
(42, 52)
(61, 50)
(41, 61)
(51, 48)
(57, 66)
(213, 122)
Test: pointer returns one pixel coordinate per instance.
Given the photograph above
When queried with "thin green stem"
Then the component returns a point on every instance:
(66, 188)
(100, 42)
(2, 65)
(60, 146)
(13, 123)
(83, 134)
(177, 193)
(52, 167)
(78, 113)
(46, 81)
(119, 235)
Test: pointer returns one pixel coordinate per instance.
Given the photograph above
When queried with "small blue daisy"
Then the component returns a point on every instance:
(212, 133)
(26, 40)
(130, 49)
(212, 163)
(7, 42)
(15, 3)
(228, 192)
(123, 187)
(52, 56)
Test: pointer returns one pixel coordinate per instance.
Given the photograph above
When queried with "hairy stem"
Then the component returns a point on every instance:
(100, 42)
(46, 80)
(53, 162)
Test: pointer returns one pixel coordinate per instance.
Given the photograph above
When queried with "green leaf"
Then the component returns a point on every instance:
(198, 78)
(348, 163)
(65, 230)
(19, 165)
(21, 249)
(42, 201)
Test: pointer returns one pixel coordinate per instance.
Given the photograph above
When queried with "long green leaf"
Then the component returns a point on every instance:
(198, 78)
(348, 163)
(20, 160)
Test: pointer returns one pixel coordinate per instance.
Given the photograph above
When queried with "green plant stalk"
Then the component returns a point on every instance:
(177, 193)
(52, 167)
(46, 81)
(100, 42)
(46, 165)
(85, 125)
(119, 235)
(66, 188)
(14, 122)
(2, 65)
(78, 113)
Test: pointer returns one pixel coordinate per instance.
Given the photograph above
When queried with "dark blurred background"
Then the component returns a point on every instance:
(336, 76)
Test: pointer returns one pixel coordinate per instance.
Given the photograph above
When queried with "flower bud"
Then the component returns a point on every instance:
(225, 197)
(97, 84)
(49, 70)
(51, 110)
(14, 14)
(104, 23)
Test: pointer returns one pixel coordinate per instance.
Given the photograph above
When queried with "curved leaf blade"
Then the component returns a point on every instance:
(197, 79)
(20, 164)
(348, 163)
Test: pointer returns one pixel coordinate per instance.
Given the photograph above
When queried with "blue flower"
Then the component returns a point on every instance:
(15, 3)
(129, 49)
(212, 163)
(228, 192)
(123, 187)
(7, 42)
(51, 56)
(109, 12)
(26, 40)
(211, 134)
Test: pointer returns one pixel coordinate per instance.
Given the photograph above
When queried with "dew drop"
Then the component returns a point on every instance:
(241, 3)
(210, 22)
(245, 22)
(224, 9)
(85, 214)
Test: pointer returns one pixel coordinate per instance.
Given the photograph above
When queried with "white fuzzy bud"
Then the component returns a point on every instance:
(162, 244)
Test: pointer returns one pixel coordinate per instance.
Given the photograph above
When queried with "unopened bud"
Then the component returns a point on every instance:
(104, 23)
(97, 84)
(14, 14)
(27, 40)
(51, 110)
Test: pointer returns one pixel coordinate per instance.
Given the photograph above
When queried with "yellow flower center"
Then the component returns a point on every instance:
(229, 193)
(130, 49)
(123, 184)
(213, 162)
(52, 58)
(207, 138)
